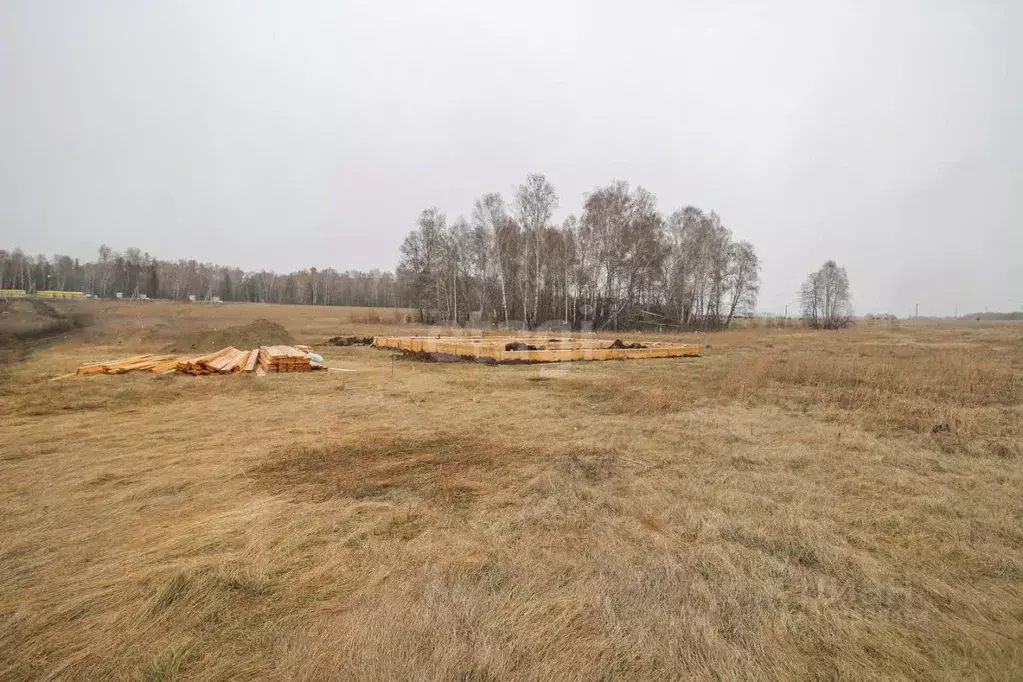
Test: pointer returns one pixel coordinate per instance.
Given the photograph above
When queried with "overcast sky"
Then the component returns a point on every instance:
(886, 135)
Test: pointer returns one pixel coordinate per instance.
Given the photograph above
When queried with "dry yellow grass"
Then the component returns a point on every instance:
(792, 505)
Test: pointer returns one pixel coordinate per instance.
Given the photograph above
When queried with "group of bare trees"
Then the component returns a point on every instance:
(134, 273)
(620, 263)
(825, 298)
(21, 271)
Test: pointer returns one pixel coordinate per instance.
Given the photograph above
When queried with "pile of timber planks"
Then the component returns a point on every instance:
(285, 359)
(157, 364)
(223, 361)
(228, 360)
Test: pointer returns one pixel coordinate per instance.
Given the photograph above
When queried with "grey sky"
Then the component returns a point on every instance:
(885, 135)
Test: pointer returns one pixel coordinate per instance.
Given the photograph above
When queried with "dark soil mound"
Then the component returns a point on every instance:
(619, 344)
(24, 319)
(350, 341)
(424, 356)
(259, 333)
(27, 324)
(519, 345)
(416, 356)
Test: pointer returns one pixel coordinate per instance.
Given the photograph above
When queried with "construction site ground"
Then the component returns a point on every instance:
(792, 504)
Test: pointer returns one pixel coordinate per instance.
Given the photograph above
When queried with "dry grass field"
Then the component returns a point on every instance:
(792, 505)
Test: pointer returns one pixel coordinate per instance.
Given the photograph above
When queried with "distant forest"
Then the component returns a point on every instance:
(620, 263)
(132, 272)
(995, 317)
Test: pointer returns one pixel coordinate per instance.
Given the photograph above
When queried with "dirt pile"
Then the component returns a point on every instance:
(619, 345)
(519, 345)
(259, 333)
(22, 319)
(350, 341)
(421, 356)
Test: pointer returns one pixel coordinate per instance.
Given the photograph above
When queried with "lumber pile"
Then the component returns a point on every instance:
(224, 361)
(228, 360)
(157, 364)
(284, 359)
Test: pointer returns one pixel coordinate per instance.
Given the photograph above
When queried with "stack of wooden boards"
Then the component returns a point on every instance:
(285, 359)
(157, 364)
(228, 360)
(224, 361)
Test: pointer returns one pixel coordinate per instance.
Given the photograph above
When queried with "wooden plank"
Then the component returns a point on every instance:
(201, 362)
(223, 361)
(242, 360)
(64, 376)
(238, 361)
(238, 357)
(250, 363)
(134, 358)
(163, 367)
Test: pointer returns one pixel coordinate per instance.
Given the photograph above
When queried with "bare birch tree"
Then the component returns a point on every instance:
(535, 203)
(825, 298)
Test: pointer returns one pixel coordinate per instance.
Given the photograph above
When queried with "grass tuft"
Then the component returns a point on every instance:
(175, 589)
(170, 665)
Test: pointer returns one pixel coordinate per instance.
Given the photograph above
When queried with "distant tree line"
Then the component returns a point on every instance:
(996, 317)
(133, 272)
(619, 263)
